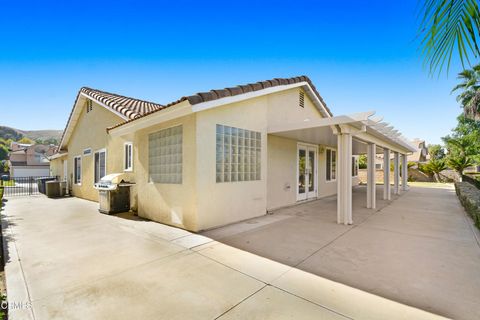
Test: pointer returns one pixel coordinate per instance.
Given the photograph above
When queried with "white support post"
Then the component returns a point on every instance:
(371, 184)
(404, 172)
(344, 178)
(386, 174)
(396, 173)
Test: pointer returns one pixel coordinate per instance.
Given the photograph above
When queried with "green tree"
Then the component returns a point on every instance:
(436, 151)
(469, 97)
(362, 161)
(449, 27)
(4, 168)
(436, 166)
(25, 140)
(464, 140)
(3, 153)
(433, 168)
(459, 163)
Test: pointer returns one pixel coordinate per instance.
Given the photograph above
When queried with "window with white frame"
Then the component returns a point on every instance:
(354, 166)
(165, 155)
(100, 165)
(128, 156)
(238, 154)
(331, 164)
(77, 170)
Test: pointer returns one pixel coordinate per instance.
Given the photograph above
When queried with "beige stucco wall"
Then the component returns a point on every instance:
(56, 167)
(281, 172)
(227, 202)
(283, 107)
(90, 132)
(173, 204)
(282, 175)
(199, 202)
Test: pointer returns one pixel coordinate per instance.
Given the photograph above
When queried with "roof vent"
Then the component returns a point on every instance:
(89, 105)
(301, 99)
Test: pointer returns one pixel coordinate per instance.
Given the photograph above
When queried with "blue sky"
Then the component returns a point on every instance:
(361, 55)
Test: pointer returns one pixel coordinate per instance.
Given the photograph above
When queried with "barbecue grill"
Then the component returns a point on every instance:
(114, 193)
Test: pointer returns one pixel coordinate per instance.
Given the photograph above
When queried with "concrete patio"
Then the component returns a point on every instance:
(64, 260)
(419, 249)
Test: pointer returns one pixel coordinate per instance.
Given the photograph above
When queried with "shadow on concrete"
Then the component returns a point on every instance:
(6, 225)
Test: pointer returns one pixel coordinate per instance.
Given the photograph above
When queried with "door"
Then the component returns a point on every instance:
(306, 172)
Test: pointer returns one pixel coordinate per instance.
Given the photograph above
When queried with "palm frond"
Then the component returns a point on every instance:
(448, 27)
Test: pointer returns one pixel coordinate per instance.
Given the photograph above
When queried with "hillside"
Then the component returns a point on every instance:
(17, 134)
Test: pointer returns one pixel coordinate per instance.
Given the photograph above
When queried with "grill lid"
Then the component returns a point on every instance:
(113, 178)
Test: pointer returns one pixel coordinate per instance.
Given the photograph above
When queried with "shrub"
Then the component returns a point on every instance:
(469, 196)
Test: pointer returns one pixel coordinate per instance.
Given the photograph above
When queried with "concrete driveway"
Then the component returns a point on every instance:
(419, 249)
(67, 261)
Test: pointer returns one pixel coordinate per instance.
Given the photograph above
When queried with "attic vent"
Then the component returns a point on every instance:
(89, 105)
(301, 99)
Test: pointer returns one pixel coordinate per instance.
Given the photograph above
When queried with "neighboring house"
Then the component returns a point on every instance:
(421, 154)
(29, 160)
(221, 156)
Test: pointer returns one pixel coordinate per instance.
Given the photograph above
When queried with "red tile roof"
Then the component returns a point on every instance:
(129, 107)
(233, 91)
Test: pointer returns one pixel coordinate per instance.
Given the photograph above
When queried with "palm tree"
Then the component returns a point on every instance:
(469, 98)
(459, 163)
(435, 166)
(448, 27)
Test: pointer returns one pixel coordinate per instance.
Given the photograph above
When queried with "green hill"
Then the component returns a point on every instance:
(17, 134)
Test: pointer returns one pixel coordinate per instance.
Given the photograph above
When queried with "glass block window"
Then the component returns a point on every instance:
(238, 154)
(165, 155)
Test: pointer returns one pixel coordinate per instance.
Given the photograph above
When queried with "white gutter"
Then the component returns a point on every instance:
(57, 155)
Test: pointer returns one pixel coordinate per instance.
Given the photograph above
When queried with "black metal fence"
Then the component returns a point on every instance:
(24, 186)
(471, 180)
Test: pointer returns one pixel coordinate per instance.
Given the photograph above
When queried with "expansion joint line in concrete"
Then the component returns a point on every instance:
(20, 265)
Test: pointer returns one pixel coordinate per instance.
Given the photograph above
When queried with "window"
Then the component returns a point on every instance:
(100, 165)
(165, 155)
(128, 156)
(378, 166)
(331, 165)
(301, 99)
(77, 170)
(354, 166)
(238, 154)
